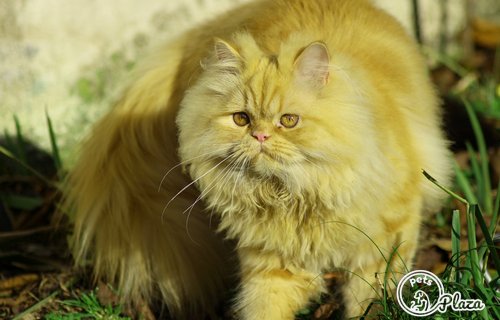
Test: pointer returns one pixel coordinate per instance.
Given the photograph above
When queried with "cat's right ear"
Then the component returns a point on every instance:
(228, 58)
(312, 65)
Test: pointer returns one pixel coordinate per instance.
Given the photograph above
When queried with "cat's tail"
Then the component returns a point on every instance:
(130, 219)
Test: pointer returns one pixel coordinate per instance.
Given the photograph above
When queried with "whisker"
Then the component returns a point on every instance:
(211, 216)
(205, 192)
(210, 186)
(245, 160)
(190, 184)
(226, 176)
(189, 160)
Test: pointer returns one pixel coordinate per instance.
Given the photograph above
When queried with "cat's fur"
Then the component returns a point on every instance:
(341, 189)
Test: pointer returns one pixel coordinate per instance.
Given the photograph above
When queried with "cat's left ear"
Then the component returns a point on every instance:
(312, 65)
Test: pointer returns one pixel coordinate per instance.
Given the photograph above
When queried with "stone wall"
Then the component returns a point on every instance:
(69, 56)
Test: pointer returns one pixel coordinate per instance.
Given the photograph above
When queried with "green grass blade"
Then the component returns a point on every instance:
(465, 276)
(455, 242)
(474, 258)
(447, 61)
(478, 175)
(53, 144)
(7, 153)
(471, 237)
(494, 217)
(26, 166)
(488, 239)
(388, 270)
(9, 143)
(440, 220)
(483, 152)
(20, 144)
(448, 191)
(21, 202)
(40, 304)
(464, 185)
(92, 308)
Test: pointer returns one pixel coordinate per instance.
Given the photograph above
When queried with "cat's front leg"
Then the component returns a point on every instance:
(272, 288)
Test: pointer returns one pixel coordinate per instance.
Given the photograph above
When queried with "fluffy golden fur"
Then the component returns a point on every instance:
(339, 190)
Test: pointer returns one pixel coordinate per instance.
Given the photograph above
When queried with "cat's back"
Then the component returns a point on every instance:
(355, 28)
(273, 21)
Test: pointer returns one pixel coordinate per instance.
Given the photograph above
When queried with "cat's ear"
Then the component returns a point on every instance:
(312, 65)
(227, 57)
(225, 51)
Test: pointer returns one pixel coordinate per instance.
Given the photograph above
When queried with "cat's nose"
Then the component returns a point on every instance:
(261, 136)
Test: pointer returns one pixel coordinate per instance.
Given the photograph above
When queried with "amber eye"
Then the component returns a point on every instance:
(289, 120)
(241, 119)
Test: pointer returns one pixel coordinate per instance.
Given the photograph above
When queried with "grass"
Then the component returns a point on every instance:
(468, 268)
(90, 308)
(473, 271)
(466, 272)
(480, 165)
(15, 149)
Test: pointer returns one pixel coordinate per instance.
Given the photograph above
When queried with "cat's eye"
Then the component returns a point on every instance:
(289, 120)
(241, 118)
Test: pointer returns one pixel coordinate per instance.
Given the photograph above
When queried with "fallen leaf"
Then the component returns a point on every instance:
(18, 281)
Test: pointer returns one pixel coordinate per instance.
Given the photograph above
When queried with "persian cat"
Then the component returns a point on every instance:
(257, 151)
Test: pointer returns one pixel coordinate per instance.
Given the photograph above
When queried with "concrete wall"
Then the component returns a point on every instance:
(68, 56)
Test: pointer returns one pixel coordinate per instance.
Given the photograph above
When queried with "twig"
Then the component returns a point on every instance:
(416, 20)
(36, 306)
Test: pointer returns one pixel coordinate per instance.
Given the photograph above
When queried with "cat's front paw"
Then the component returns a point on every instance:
(275, 294)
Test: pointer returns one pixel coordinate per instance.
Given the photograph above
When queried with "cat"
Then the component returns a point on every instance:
(257, 151)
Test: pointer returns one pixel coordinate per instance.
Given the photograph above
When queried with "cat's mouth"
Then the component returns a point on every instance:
(258, 152)
(260, 159)
(270, 155)
(267, 163)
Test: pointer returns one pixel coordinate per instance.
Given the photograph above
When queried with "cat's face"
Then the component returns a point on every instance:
(253, 118)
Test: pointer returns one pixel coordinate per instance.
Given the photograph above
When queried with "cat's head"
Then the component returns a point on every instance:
(257, 120)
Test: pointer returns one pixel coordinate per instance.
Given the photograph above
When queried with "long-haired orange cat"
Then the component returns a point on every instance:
(293, 131)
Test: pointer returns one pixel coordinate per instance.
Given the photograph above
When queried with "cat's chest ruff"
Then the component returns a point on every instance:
(269, 214)
(294, 232)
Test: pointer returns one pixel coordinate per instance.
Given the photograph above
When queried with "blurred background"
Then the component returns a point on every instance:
(68, 58)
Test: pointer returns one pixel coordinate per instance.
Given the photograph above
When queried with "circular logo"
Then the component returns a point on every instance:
(415, 290)
(421, 293)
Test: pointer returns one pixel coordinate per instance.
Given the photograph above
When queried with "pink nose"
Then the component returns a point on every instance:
(260, 136)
